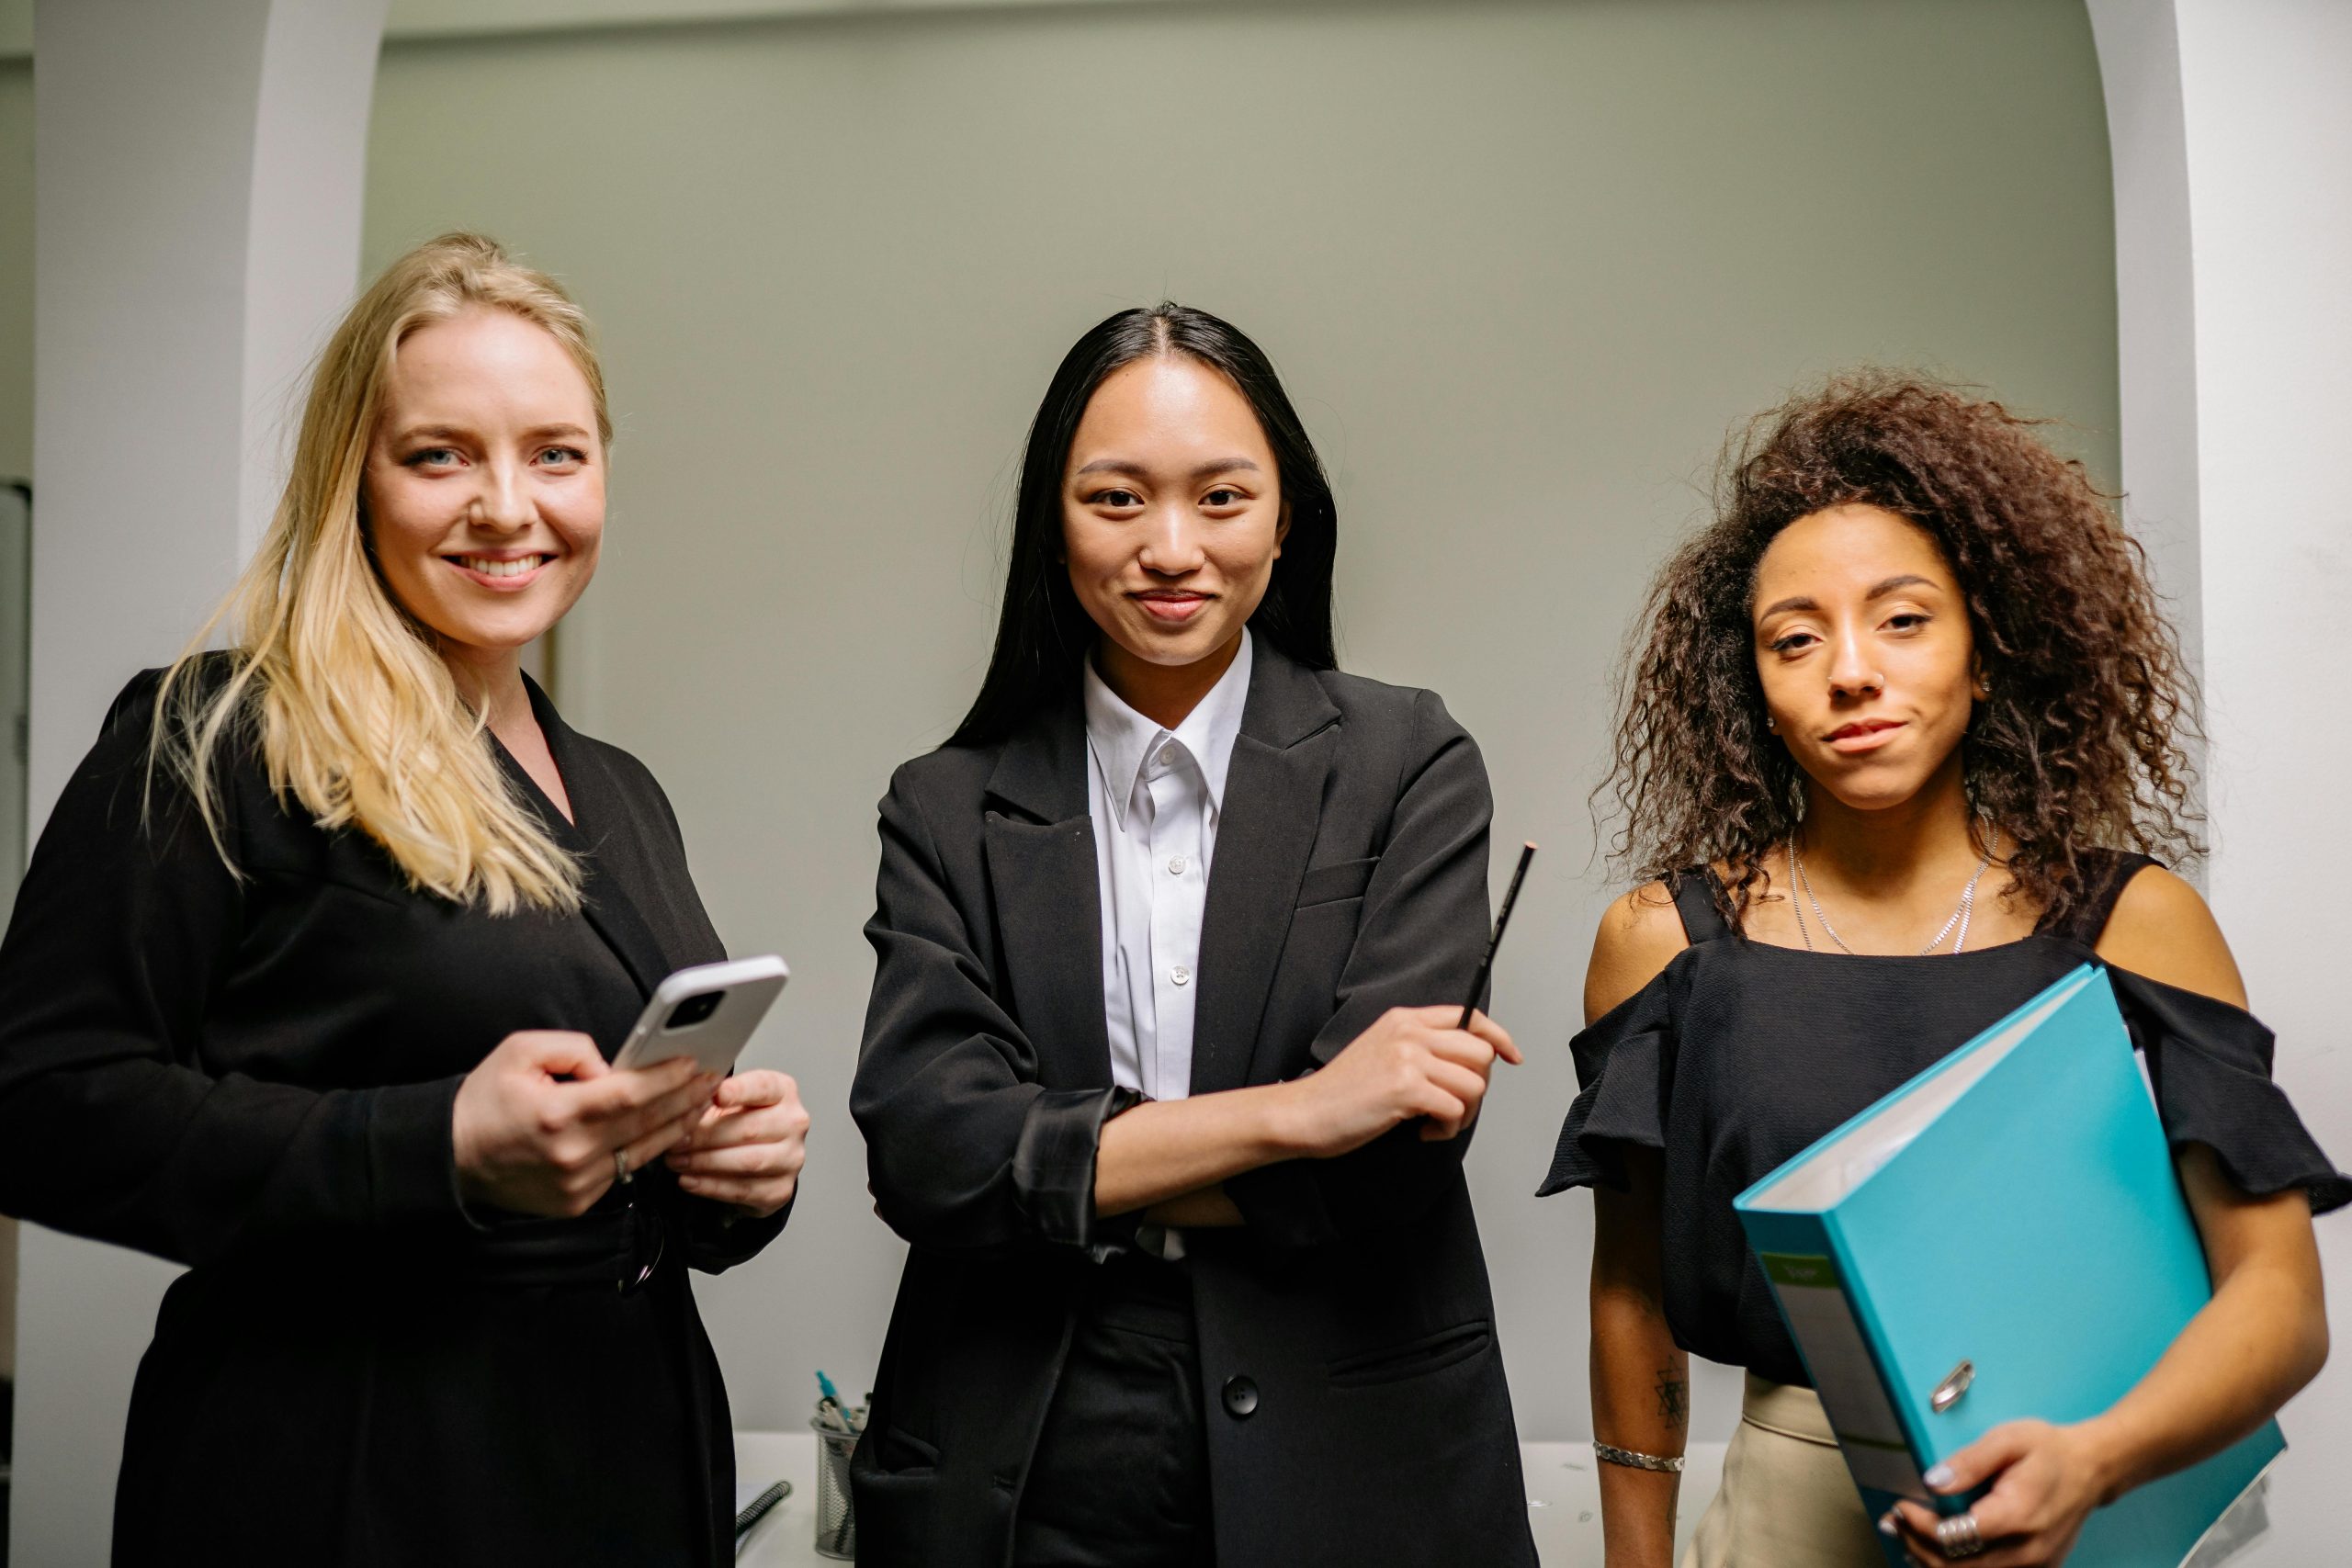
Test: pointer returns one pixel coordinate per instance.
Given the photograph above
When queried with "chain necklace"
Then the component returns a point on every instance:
(1958, 915)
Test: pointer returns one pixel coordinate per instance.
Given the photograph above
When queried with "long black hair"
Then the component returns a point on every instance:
(1043, 634)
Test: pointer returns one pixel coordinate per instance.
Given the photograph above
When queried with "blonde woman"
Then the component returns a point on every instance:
(311, 985)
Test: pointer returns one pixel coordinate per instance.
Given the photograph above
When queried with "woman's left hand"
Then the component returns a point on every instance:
(2046, 1480)
(749, 1147)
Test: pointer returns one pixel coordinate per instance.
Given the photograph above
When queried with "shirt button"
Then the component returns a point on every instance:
(1176, 865)
(1181, 975)
(1167, 756)
(1241, 1398)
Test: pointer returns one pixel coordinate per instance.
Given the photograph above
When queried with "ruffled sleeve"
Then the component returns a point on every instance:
(1624, 1060)
(2211, 1064)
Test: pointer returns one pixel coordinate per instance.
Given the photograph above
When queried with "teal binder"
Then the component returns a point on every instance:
(2003, 1236)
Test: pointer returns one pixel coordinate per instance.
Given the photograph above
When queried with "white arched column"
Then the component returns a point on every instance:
(198, 176)
(2232, 125)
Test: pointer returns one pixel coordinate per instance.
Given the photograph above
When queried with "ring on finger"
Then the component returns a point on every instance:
(621, 1177)
(1958, 1537)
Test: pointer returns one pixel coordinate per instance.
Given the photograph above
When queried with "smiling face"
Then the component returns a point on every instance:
(1171, 514)
(1864, 647)
(485, 482)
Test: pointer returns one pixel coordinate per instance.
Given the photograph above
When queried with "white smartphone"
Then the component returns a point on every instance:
(707, 1012)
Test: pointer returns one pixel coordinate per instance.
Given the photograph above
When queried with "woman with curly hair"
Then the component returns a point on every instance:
(1899, 739)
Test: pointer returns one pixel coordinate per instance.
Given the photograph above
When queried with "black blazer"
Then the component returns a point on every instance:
(1350, 876)
(253, 1073)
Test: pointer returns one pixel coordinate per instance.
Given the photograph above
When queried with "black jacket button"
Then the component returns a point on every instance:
(1241, 1398)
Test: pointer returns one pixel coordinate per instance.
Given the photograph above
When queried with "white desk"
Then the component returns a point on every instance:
(1563, 1498)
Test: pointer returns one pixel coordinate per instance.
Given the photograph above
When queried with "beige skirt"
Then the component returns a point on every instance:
(1787, 1500)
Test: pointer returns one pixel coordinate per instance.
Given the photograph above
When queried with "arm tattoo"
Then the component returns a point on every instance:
(1673, 1399)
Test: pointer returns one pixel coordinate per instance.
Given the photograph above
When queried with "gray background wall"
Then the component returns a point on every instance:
(1521, 265)
(16, 446)
(16, 266)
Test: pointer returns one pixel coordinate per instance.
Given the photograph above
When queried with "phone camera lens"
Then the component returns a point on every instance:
(694, 1010)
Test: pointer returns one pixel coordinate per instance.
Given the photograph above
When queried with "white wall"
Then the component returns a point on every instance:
(2265, 117)
(16, 268)
(2139, 50)
(187, 202)
(16, 435)
(1521, 264)
(99, 309)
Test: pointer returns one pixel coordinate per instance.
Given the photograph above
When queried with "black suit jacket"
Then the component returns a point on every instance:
(252, 1072)
(1350, 876)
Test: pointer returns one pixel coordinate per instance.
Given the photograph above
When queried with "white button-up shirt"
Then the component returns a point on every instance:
(1156, 797)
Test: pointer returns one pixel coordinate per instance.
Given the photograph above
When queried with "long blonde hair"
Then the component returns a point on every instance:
(356, 715)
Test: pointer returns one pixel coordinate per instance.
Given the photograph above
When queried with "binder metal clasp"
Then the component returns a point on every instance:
(1955, 1384)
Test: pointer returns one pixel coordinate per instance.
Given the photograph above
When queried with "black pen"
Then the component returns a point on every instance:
(1487, 965)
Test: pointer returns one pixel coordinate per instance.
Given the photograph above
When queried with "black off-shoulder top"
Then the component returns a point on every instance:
(1740, 1054)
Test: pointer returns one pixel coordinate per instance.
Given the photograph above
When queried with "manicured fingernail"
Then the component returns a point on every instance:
(1939, 1477)
(1887, 1522)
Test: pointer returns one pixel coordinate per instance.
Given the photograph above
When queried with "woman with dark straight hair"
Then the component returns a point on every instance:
(1193, 1276)
(1044, 633)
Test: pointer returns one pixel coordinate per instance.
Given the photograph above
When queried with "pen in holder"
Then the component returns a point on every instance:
(838, 1428)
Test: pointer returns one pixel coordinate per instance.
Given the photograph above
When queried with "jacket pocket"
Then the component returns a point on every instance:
(1332, 883)
(902, 1519)
(898, 1452)
(1413, 1357)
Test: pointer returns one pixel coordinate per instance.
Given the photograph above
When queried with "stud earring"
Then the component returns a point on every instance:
(1771, 724)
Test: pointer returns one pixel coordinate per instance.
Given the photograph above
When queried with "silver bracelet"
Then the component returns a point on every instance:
(1611, 1454)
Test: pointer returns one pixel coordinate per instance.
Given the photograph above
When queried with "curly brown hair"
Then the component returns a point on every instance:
(2079, 744)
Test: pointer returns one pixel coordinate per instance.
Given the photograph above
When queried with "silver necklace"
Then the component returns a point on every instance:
(1958, 915)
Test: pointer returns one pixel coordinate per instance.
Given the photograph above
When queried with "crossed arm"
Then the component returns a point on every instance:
(1172, 1158)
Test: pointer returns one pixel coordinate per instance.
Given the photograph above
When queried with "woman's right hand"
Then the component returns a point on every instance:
(537, 1122)
(1411, 1062)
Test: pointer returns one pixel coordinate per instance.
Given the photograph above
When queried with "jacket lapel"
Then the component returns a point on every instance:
(601, 833)
(1274, 805)
(1043, 882)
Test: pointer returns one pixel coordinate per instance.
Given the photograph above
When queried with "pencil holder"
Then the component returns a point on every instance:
(836, 1517)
